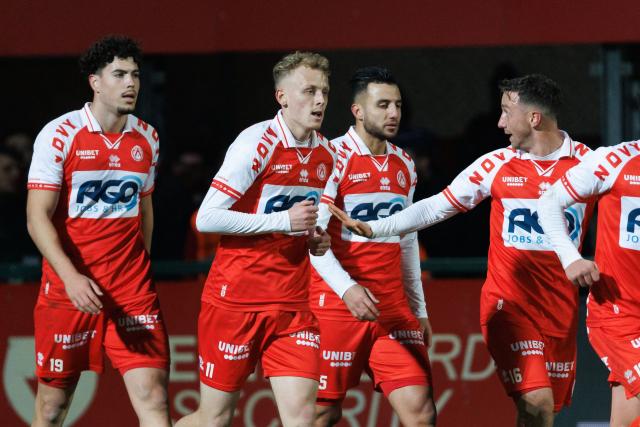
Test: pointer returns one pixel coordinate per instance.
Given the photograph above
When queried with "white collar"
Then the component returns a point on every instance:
(356, 143)
(287, 138)
(91, 123)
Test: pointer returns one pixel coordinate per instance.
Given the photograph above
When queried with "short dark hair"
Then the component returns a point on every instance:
(363, 76)
(105, 50)
(535, 89)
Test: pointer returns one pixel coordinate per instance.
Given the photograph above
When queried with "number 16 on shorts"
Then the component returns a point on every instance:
(512, 376)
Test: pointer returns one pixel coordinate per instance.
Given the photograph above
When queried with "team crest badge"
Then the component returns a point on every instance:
(402, 181)
(321, 171)
(136, 153)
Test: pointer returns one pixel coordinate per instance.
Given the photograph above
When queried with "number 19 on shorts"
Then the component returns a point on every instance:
(56, 365)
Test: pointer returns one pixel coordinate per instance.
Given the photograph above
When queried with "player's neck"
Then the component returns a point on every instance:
(300, 133)
(546, 142)
(376, 145)
(109, 122)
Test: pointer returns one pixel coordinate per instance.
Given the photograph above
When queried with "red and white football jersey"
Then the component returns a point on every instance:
(101, 178)
(266, 171)
(367, 187)
(613, 173)
(523, 269)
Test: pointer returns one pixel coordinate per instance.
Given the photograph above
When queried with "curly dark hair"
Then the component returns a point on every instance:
(535, 89)
(365, 75)
(104, 51)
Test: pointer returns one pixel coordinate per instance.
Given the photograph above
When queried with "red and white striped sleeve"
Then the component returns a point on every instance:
(50, 151)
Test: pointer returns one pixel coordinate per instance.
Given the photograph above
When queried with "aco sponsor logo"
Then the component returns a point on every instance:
(283, 202)
(630, 223)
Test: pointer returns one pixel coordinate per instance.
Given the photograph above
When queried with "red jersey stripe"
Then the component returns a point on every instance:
(572, 192)
(454, 202)
(226, 189)
(43, 186)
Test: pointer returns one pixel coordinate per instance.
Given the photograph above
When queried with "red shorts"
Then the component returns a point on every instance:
(619, 349)
(391, 352)
(68, 341)
(527, 359)
(230, 344)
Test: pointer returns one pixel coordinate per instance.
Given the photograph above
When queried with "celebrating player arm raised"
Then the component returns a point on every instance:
(368, 295)
(611, 174)
(89, 211)
(263, 200)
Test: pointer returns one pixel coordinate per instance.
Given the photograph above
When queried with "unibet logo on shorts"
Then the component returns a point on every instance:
(521, 229)
(630, 223)
(370, 207)
(105, 194)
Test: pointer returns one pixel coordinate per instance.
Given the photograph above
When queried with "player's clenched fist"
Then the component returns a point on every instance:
(358, 227)
(319, 241)
(583, 272)
(303, 215)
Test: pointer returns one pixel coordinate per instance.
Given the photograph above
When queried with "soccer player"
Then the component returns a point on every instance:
(528, 308)
(611, 174)
(372, 179)
(255, 300)
(89, 212)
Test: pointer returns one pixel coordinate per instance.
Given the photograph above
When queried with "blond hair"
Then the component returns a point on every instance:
(290, 62)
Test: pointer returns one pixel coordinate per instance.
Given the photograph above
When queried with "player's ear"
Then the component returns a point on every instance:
(281, 98)
(94, 82)
(356, 110)
(535, 119)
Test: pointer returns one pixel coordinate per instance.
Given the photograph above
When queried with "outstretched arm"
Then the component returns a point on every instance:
(422, 214)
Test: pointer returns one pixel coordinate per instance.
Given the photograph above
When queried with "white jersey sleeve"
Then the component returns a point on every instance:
(245, 160)
(50, 152)
(468, 189)
(410, 258)
(328, 266)
(595, 175)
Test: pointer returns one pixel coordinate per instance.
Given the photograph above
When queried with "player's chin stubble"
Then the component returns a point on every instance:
(126, 110)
